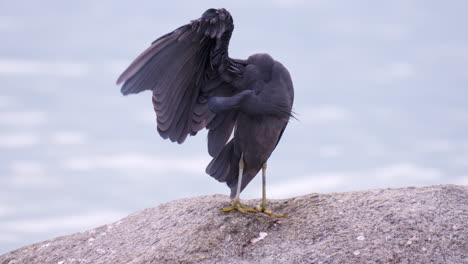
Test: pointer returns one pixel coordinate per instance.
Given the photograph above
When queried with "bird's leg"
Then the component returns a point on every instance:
(236, 204)
(263, 205)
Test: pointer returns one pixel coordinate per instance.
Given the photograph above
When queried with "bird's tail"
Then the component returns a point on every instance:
(225, 166)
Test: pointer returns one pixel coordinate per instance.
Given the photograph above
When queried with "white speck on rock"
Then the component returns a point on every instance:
(360, 238)
(277, 223)
(101, 251)
(91, 239)
(409, 242)
(60, 262)
(356, 253)
(45, 245)
(260, 237)
(454, 227)
(423, 249)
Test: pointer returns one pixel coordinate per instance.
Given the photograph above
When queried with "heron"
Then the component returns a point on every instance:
(244, 104)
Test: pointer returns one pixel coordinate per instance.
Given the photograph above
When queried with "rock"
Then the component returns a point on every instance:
(407, 225)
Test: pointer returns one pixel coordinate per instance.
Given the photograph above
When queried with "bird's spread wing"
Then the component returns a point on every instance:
(183, 69)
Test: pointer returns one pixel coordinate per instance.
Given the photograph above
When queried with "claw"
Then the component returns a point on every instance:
(236, 205)
(272, 214)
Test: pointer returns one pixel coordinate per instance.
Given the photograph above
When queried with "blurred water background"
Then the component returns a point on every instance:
(381, 101)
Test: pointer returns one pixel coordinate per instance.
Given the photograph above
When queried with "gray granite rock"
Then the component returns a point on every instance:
(407, 225)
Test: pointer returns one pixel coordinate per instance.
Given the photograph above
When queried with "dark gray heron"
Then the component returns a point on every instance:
(196, 85)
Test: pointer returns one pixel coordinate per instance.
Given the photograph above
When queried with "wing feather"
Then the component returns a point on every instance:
(146, 55)
(183, 68)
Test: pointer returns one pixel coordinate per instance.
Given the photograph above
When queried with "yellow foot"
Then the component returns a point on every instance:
(263, 210)
(236, 205)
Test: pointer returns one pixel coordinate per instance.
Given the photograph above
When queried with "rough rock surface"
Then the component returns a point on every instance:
(407, 225)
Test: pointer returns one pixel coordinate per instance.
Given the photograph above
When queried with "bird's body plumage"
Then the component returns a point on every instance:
(260, 120)
(197, 85)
